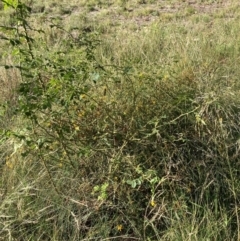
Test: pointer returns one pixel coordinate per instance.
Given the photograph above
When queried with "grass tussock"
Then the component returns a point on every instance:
(121, 129)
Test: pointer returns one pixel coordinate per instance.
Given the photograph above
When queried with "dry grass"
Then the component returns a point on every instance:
(134, 134)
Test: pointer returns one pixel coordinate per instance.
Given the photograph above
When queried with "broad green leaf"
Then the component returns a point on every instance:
(10, 3)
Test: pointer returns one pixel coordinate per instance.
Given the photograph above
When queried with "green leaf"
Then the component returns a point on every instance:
(134, 183)
(10, 3)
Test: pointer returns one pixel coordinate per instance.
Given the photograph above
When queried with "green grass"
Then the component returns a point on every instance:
(125, 123)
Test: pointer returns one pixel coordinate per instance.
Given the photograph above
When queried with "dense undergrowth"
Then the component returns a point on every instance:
(119, 134)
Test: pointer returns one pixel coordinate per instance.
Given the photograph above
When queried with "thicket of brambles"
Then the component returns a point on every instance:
(99, 142)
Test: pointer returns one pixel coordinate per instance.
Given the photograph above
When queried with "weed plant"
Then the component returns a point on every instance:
(121, 134)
